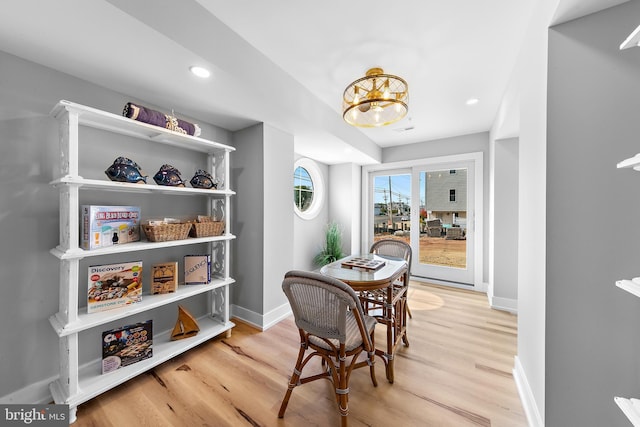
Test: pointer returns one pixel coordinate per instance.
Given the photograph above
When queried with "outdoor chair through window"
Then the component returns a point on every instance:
(332, 326)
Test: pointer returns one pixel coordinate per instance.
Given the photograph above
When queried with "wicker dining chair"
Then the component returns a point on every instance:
(398, 249)
(332, 326)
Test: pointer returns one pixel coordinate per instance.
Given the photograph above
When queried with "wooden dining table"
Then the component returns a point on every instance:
(377, 290)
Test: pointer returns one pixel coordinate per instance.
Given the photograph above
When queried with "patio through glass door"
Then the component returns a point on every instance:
(431, 208)
(444, 195)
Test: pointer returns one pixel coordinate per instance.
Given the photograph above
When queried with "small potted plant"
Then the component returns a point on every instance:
(332, 250)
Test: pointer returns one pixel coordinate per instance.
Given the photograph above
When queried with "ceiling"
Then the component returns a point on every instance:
(286, 62)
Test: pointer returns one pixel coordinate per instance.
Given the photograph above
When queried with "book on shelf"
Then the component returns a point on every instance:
(114, 285)
(103, 226)
(126, 345)
(164, 278)
(197, 269)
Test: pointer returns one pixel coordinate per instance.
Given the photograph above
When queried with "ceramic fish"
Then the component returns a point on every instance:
(169, 176)
(126, 170)
(203, 179)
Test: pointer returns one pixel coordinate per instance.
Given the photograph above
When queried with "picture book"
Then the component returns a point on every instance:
(114, 286)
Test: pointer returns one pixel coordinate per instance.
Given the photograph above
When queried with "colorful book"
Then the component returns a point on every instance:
(114, 285)
(197, 269)
(126, 345)
(164, 278)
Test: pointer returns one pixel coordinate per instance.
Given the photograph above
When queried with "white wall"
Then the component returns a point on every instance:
(592, 341)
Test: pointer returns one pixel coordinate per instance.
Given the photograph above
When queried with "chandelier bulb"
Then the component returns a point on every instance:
(356, 95)
(386, 94)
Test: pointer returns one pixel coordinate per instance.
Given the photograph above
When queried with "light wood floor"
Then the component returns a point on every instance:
(456, 372)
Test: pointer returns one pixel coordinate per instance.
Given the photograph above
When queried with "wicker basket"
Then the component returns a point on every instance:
(166, 232)
(207, 229)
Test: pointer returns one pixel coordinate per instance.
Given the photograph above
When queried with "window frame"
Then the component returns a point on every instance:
(318, 188)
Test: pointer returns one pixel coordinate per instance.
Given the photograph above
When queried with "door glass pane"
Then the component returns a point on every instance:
(392, 207)
(443, 218)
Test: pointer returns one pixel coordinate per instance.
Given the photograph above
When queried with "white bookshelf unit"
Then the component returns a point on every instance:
(78, 383)
(630, 407)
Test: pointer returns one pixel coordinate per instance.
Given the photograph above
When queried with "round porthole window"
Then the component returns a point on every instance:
(308, 189)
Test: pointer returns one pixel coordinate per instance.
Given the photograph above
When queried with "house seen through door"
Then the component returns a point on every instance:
(429, 207)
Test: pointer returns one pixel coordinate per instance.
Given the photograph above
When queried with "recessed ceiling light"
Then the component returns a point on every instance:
(200, 72)
(472, 101)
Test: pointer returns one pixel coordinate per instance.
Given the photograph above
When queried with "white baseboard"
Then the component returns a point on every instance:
(261, 321)
(34, 394)
(526, 395)
(504, 304)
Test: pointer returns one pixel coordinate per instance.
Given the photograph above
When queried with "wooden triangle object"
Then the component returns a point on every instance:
(186, 325)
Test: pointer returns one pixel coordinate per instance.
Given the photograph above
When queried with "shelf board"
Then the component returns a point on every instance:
(98, 119)
(632, 286)
(78, 253)
(91, 320)
(92, 382)
(631, 162)
(96, 184)
(632, 41)
(631, 408)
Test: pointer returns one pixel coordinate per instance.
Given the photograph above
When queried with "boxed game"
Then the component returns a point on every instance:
(126, 345)
(164, 278)
(103, 226)
(197, 269)
(114, 285)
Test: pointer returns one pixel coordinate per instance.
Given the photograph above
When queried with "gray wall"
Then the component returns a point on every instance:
(29, 215)
(278, 216)
(311, 231)
(477, 142)
(345, 204)
(504, 264)
(247, 170)
(592, 340)
(263, 217)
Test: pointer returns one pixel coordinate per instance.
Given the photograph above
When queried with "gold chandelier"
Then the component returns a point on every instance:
(375, 100)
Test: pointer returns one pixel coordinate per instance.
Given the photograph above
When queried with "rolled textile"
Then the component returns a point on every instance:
(156, 118)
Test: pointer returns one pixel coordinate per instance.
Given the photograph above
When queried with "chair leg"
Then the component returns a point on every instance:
(293, 382)
(372, 360)
(405, 311)
(409, 312)
(342, 391)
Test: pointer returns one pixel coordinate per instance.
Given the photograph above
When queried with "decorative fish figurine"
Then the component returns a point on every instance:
(169, 176)
(203, 179)
(126, 170)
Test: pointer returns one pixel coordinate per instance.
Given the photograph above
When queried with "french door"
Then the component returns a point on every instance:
(431, 205)
(444, 232)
